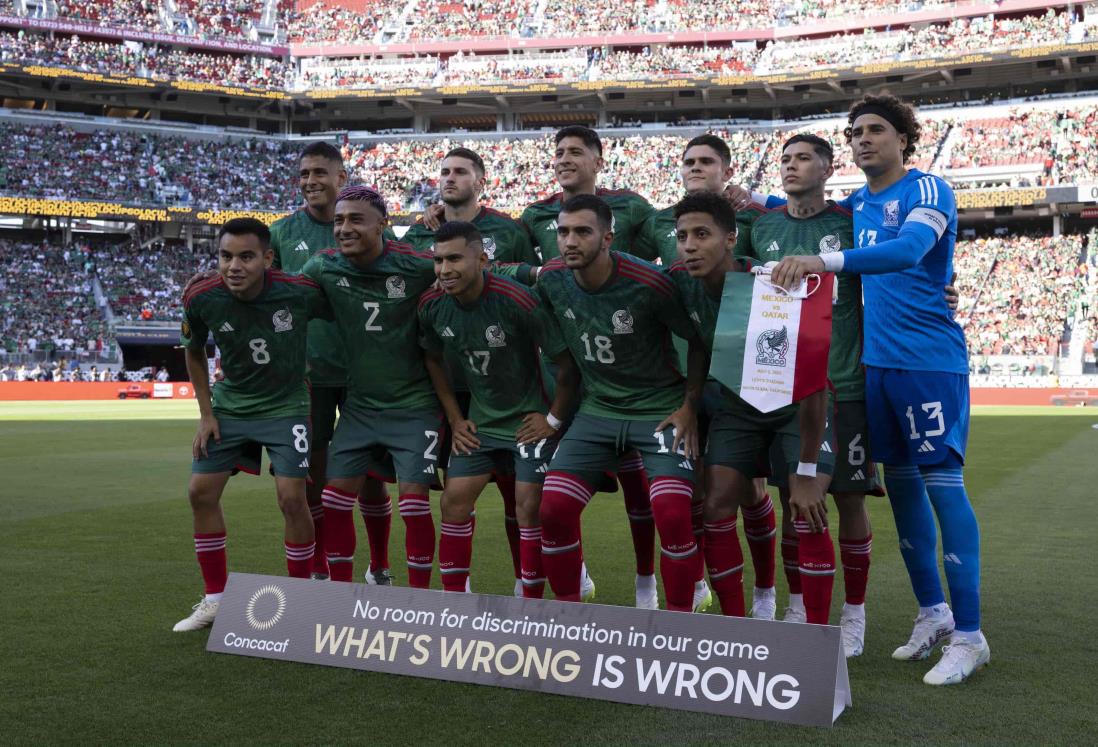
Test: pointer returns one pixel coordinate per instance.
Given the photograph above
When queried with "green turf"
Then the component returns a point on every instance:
(97, 560)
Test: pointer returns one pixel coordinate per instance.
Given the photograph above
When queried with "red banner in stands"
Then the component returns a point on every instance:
(72, 390)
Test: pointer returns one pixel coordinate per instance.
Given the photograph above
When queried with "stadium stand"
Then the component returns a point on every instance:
(145, 283)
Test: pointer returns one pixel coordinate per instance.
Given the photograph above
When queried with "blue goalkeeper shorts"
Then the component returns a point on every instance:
(916, 417)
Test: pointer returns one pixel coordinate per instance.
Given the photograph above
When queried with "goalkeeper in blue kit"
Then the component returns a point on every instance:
(905, 226)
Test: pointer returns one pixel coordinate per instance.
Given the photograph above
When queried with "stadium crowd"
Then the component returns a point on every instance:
(146, 283)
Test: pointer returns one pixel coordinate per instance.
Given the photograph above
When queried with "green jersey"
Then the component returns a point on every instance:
(658, 235)
(262, 343)
(375, 309)
(777, 234)
(295, 239)
(703, 310)
(630, 213)
(496, 340)
(505, 239)
(620, 336)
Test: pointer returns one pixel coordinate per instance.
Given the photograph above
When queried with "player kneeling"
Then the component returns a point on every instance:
(258, 319)
(493, 327)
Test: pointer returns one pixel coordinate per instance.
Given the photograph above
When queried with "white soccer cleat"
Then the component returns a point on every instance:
(202, 617)
(852, 623)
(764, 603)
(795, 615)
(381, 578)
(929, 631)
(587, 585)
(960, 659)
(648, 597)
(518, 588)
(703, 597)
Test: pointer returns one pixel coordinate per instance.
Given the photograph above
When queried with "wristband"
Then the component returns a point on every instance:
(806, 469)
(833, 261)
(554, 422)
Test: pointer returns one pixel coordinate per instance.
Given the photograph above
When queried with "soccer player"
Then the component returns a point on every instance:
(905, 226)
(258, 319)
(707, 167)
(294, 239)
(740, 436)
(495, 327)
(808, 225)
(577, 160)
(373, 286)
(617, 313)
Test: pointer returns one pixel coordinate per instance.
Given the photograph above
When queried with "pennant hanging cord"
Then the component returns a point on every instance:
(808, 286)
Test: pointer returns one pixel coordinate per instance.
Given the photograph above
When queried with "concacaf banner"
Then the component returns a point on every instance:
(771, 345)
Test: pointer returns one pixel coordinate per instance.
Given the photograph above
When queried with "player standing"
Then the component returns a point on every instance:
(294, 239)
(373, 286)
(617, 313)
(740, 436)
(495, 327)
(905, 227)
(258, 320)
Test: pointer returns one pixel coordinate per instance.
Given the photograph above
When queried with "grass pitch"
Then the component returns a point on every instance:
(96, 551)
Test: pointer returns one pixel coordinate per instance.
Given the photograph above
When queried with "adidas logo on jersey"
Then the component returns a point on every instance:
(542, 469)
(858, 207)
(825, 447)
(859, 475)
(304, 463)
(343, 283)
(552, 226)
(568, 314)
(926, 448)
(773, 248)
(226, 327)
(429, 470)
(695, 317)
(301, 247)
(447, 332)
(685, 464)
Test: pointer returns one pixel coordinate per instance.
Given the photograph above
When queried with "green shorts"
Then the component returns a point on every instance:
(365, 440)
(593, 444)
(757, 446)
(855, 472)
(527, 463)
(325, 401)
(287, 441)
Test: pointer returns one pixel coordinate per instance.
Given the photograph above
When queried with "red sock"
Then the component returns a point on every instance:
(419, 538)
(855, 558)
(320, 561)
(533, 581)
(378, 518)
(210, 551)
(697, 523)
(759, 528)
(638, 505)
(817, 561)
(339, 527)
(455, 553)
(678, 564)
(563, 498)
(724, 557)
(506, 485)
(791, 563)
(299, 558)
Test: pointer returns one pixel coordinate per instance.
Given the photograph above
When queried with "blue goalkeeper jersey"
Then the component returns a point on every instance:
(907, 323)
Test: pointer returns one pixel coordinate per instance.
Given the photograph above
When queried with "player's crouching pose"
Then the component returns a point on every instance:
(616, 314)
(258, 319)
(740, 436)
(494, 327)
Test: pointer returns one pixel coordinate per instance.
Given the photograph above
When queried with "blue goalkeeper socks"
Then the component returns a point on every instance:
(960, 540)
(917, 533)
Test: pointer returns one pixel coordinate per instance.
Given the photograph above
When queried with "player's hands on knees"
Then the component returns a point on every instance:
(207, 429)
(433, 216)
(791, 271)
(198, 277)
(534, 428)
(952, 295)
(806, 498)
(684, 429)
(463, 436)
(738, 196)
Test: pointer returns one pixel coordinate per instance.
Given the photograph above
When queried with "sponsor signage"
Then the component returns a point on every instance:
(1088, 192)
(786, 672)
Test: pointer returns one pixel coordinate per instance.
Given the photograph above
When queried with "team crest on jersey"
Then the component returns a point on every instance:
(495, 336)
(892, 213)
(394, 286)
(283, 320)
(185, 328)
(772, 346)
(489, 245)
(830, 243)
(623, 322)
